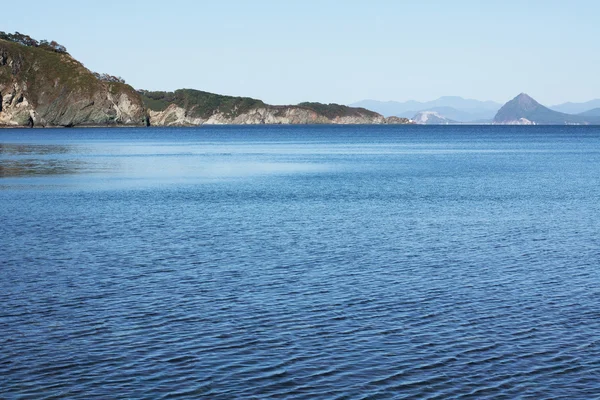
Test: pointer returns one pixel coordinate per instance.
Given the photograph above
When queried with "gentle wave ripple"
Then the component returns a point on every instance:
(389, 276)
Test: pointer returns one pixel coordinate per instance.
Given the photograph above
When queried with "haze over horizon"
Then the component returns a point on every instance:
(285, 53)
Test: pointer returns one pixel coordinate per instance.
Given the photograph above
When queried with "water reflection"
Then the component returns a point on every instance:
(30, 149)
(21, 160)
(134, 163)
(36, 167)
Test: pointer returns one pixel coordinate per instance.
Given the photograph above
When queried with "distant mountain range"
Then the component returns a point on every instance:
(456, 110)
(524, 110)
(450, 107)
(591, 113)
(576, 108)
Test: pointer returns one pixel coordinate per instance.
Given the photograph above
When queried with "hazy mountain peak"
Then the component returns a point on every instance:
(577, 108)
(591, 113)
(461, 109)
(524, 109)
(451, 98)
(526, 102)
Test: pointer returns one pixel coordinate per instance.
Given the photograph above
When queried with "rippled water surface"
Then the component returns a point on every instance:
(300, 262)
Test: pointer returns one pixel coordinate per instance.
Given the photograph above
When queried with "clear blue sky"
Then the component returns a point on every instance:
(287, 51)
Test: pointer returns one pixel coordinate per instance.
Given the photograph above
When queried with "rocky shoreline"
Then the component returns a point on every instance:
(43, 87)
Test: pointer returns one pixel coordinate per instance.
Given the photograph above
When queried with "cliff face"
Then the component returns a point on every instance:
(44, 88)
(42, 85)
(178, 116)
(188, 107)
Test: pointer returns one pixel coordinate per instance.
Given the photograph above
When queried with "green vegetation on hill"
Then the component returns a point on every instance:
(44, 86)
(47, 72)
(41, 70)
(332, 110)
(52, 60)
(28, 41)
(60, 90)
(200, 104)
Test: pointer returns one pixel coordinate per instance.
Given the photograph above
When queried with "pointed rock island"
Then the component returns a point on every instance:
(524, 110)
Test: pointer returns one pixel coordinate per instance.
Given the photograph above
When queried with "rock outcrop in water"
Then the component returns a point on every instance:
(41, 87)
(431, 118)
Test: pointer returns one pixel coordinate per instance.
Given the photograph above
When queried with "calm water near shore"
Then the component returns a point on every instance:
(300, 262)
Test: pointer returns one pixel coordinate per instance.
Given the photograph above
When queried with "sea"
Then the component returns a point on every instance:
(300, 262)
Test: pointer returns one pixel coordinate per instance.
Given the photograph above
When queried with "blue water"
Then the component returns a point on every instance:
(300, 262)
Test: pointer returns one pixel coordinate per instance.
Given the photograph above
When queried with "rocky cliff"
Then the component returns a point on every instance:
(188, 107)
(41, 87)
